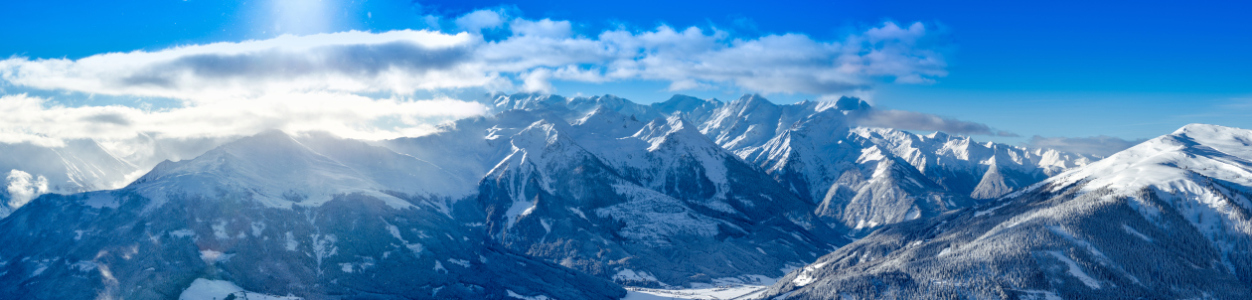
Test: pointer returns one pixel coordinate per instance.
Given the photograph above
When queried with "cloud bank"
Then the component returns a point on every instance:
(395, 61)
(33, 120)
(534, 53)
(1097, 145)
(362, 84)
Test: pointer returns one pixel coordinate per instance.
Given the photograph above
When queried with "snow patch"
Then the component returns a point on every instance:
(519, 296)
(806, 276)
(1075, 270)
(460, 262)
(182, 233)
(214, 256)
(519, 208)
(205, 289)
(42, 266)
(257, 228)
(219, 230)
(291, 242)
(324, 247)
(416, 248)
(84, 266)
(578, 212)
(439, 267)
(632, 275)
(991, 210)
(1136, 233)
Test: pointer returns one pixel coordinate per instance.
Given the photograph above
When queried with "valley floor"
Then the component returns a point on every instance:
(719, 292)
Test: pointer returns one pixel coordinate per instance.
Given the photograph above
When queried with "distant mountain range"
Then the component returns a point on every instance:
(560, 197)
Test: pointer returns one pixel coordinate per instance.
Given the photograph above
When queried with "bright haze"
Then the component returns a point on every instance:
(1066, 75)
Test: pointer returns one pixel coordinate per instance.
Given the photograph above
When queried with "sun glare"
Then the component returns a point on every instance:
(299, 17)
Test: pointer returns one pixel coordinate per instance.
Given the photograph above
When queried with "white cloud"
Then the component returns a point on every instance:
(406, 61)
(396, 61)
(480, 19)
(544, 28)
(22, 187)
(25, 119)
(892, 32)
(355, 84)
(538, 81)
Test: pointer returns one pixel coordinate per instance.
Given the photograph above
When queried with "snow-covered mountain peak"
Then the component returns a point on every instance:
(539, 134)
(684, 103)
(601, 113)
(502, 102)
(748, 106)
(1229, 140)
(606, 122)
(751, 100)
(673, 129)
(271, 168)
(670, 124)
(1168, 162)
(937, 135)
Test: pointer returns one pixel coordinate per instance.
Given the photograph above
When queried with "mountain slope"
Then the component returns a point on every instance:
(270, 214)
(817, 151)
(83, 165)
(1168, 218)
(652, 203)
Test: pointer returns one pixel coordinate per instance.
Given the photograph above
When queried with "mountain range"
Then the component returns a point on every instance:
(552, 197)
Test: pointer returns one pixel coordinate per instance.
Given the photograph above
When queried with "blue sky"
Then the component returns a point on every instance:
(1125, 69)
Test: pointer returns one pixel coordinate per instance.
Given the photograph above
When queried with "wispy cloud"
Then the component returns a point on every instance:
(1096, 145)
(911, 120)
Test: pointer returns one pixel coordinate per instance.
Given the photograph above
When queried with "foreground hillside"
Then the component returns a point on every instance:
(1169, 218)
